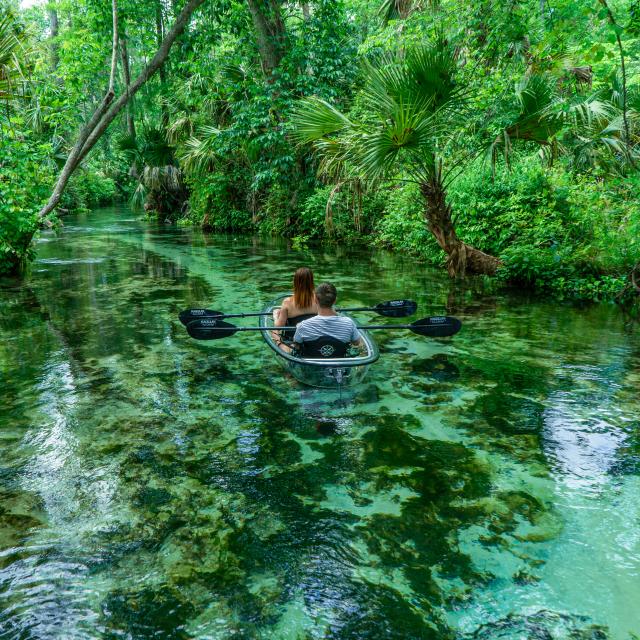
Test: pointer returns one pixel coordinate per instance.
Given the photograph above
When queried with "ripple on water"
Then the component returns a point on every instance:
(63, 261)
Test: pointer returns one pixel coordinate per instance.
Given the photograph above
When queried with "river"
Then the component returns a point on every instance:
(152, 486)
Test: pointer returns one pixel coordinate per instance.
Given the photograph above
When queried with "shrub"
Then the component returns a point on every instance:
(403, 226)
(351, 216)
(575, 235)
(216, 204)
(88, 188)
(25, 181)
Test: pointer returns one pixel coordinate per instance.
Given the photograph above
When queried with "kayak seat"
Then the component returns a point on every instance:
(292, 322)
(324, 347)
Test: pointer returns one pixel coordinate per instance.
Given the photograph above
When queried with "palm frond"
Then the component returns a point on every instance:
(168, 178)
(201, 151)
(154, 147)
(539, 119)
(182, 127)
(314, 119)
(139, 196)
(424, 79)
(399, 9)
(12, 56)
(411, 104)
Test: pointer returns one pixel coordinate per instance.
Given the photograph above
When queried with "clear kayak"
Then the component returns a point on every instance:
(331, 373)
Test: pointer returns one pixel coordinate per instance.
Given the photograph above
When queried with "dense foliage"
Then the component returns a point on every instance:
(478, 134)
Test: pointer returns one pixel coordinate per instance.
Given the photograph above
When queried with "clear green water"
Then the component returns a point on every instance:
(155, 487)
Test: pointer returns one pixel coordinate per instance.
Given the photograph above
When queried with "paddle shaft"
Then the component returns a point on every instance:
(274, 328)
(268, 313)
(214, 328)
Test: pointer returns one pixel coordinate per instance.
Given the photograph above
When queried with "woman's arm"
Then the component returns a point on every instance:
(283, 314)
(280, 319)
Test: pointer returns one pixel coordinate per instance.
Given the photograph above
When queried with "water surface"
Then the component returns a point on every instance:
(152, 486)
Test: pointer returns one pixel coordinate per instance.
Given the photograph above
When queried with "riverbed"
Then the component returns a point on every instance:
(153, 486)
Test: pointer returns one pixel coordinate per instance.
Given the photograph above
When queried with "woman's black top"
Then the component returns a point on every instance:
(288, 334)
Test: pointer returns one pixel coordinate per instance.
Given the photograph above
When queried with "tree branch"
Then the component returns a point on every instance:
(106, 112)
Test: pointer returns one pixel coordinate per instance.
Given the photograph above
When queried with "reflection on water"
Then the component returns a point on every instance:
(152, 486)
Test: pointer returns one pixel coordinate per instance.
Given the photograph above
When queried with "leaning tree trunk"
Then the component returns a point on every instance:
(107, 112)
(462, 258)
(617, 29)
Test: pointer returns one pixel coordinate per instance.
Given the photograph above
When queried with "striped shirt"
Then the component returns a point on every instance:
(339, 327)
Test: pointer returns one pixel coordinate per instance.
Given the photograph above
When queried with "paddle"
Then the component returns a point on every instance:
(209, 328)
(389, 308)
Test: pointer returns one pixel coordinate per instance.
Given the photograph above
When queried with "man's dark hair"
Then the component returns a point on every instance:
(326, 294)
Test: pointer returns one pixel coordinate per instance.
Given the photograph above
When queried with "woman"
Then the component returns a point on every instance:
(302, 304)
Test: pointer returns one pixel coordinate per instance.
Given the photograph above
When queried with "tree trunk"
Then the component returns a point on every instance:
(270, 33)
(53, 25)
(107, 112)
(617, 29)
(162, 71)
(462, 258)
(126, 75)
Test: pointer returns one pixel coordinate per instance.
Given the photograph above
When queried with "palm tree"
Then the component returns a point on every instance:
(419, 124)
(588, 130)
(152, 160)
(418, 116)
(12, 54)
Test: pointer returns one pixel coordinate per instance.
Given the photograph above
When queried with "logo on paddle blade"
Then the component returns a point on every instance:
(327, 350)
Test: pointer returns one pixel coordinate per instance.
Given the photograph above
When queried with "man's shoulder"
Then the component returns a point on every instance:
(318, 319)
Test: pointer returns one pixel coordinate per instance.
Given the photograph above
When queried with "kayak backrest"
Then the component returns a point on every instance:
(324, 347)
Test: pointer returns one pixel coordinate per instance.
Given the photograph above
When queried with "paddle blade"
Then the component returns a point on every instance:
(189, 315)
(436, 326)
(210, 329)
(396, 308)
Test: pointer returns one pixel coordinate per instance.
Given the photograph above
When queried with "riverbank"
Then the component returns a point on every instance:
(560, 234)
(571, 239)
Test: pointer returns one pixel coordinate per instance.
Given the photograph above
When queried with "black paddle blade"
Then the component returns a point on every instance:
(189, 315)
(210, 329)
(396, 308)
(436, 326)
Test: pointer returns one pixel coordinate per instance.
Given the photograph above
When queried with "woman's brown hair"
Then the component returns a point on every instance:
(303, 290)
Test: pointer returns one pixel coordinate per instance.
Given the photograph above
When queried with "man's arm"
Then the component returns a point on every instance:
(297, 337)
(356, 340)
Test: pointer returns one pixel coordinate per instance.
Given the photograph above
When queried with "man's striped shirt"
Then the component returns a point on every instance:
(339, 327)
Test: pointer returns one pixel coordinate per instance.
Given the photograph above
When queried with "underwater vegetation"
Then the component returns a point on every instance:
(153, 487)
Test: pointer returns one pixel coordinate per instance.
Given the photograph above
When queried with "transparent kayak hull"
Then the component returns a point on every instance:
(328, 373)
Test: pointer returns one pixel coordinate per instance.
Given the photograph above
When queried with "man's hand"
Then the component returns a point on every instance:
(359, 345)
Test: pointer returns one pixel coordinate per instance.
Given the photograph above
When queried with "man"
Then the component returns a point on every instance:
(327, 324)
